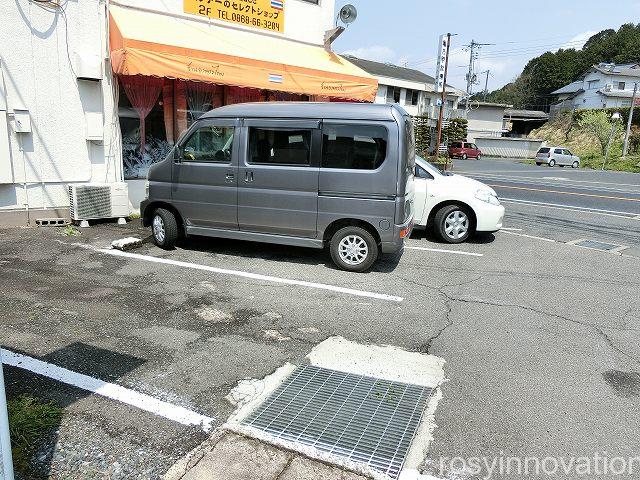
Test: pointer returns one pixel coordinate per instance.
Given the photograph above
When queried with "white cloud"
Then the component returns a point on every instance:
(579, 40)
(378, 53)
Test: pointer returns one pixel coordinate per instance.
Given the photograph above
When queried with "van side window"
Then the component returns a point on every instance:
(355, 147)
(279, 147)
(209, 144)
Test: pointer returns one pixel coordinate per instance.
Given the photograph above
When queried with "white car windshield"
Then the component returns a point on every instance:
(422, 163)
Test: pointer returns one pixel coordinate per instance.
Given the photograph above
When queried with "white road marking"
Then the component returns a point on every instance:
(557, 206)
(530, 236)
(238, 273)
(108, 390)
(511, 229)
(438, 250)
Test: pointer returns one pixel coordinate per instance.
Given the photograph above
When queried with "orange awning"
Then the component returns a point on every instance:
(145, 43)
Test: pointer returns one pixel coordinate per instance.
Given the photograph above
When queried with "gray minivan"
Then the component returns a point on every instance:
(301, 174)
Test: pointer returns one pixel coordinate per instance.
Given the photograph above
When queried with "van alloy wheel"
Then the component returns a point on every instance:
(353, 250)
(158, 228)
(164, 228)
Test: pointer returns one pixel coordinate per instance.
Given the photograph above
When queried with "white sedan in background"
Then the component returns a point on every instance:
(453, 206)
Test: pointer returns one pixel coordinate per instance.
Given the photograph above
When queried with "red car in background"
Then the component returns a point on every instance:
(464, 150)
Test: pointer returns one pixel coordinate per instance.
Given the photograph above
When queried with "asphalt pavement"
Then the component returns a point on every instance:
(540, 339)
(564, 204)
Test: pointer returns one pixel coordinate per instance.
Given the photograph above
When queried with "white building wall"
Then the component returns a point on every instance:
(303, 21)
(37, 47)
(485, 122)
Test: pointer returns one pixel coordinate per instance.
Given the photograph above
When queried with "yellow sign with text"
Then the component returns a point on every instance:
(264, 14)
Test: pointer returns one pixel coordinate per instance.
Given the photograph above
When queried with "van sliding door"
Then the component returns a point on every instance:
(278, 178)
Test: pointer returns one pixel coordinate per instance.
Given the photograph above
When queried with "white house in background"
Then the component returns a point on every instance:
(605, 85)
(412, 89)
(486, 119)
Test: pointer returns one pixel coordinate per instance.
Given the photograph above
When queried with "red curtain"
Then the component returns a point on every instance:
(143, 93)
(243, 95)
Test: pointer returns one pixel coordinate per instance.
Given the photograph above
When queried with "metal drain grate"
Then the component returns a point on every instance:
(598, 245)
(364, 419)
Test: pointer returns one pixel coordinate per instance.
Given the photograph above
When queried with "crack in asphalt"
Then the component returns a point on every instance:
(449, 322)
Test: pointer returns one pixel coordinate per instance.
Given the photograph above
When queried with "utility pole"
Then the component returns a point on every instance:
(625, 149)
(472, 78)
(441, 83)
(486, 84)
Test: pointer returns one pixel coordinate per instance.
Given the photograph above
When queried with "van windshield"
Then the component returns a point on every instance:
(410, 160)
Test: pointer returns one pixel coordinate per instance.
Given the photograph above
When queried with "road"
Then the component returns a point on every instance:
(562, 203)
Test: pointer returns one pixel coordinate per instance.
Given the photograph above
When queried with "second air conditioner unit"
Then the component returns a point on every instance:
(93, 201)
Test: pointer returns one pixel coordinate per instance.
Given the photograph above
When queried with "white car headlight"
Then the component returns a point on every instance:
(488, 196)
(146, 189)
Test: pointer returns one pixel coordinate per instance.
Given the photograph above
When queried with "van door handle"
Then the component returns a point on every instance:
(248, 177)
(230, 176)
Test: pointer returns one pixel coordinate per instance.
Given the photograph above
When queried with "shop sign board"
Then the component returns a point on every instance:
(262, 14)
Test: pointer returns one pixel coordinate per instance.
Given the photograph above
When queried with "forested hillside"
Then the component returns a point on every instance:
(551, 71)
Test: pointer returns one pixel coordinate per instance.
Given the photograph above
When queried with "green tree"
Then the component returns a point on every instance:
(599, 125)
(456, 130)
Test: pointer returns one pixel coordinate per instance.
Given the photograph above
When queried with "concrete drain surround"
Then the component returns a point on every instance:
(363, 419)
(596, 245)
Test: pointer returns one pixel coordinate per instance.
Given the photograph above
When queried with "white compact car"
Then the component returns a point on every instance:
(553, 156)
(454, 206)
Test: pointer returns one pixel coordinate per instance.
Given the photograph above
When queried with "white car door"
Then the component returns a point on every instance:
(423, 202)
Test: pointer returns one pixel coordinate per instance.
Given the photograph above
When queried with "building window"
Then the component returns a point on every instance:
(354, 147)
(279, 147)
(413, 97)
(393, 94)
(593, 84)
(621, 85)
(450, 104)
(626, 103)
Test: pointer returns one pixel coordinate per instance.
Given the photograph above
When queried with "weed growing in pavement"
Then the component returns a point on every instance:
(134, 216)
(70, 231)
(29, 421)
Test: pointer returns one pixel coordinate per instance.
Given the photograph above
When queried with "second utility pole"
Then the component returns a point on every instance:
(625, 149)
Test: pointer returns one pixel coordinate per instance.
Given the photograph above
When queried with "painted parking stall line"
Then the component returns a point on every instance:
(108, 390)
(440, 250)
(252, 276)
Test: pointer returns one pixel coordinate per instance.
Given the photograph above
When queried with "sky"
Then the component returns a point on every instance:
(406, 32)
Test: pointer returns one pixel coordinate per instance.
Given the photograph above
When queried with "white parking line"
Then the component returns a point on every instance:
(556, 206)
(253, 276)
(529, 236)
(438, 250)
(108, 390)
(511, 229)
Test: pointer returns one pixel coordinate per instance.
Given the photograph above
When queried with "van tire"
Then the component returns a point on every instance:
(358, 237)
(552, 163)
(164, 229)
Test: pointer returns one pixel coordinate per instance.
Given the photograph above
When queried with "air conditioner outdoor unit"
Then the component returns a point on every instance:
(92, 201)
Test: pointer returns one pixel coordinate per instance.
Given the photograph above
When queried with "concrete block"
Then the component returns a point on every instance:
(239, 458)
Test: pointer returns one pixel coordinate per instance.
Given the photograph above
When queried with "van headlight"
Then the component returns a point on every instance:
(487, 196)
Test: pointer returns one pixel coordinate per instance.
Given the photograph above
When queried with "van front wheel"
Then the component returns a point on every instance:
(353, 249)
(164, 228)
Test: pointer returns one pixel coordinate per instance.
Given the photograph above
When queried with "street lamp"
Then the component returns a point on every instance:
(615, 117)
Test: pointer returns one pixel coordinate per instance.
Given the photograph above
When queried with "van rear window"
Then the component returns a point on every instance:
(544, 150)
(456, 145)
(354, 147)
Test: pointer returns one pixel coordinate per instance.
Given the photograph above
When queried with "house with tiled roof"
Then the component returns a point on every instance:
(606, 85)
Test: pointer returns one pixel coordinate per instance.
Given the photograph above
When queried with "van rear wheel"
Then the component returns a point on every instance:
(353, 249)
(164, 229)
